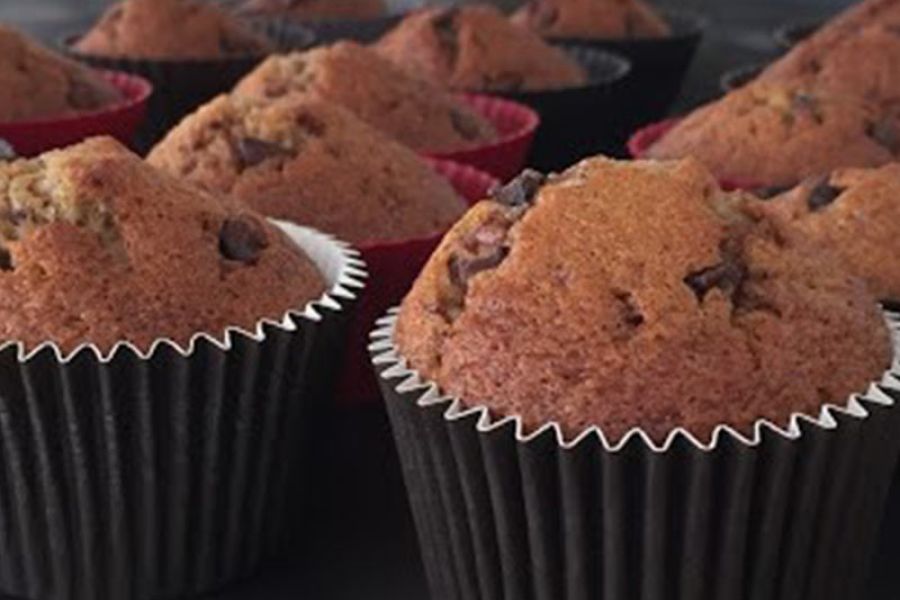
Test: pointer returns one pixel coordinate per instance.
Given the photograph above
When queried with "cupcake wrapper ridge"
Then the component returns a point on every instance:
(786, 513)
(159, 473)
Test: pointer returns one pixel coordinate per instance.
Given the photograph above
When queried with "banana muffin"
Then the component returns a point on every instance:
(419, 114)
(310, 162)
(855, 212)
(315, 10)
(864, 64)
(476, 48)
(778, 134)
(38, 83)
(98, 247)
(591, 19)
(170, 29)
(540, 304)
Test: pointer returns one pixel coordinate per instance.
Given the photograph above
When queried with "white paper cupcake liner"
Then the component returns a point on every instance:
(786, 512)
(165, 472)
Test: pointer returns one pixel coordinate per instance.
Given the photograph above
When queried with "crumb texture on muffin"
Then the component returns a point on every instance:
(310, 162)
(853, 212)
(419, 114)
(637, 294)
(98, 247)
(170, 30)
(315, 10)
(37, 83)
(592, 19)
(476, 48)
(780, 133)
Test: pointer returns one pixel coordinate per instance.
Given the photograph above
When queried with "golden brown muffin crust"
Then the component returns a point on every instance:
(170, 29)
(779, 134)
(415, 112)
(591, 19)
(38, 83)
(316, 10)
(637, 294)
(856, 213)
(476, 48)
(99, 247)
(311, 162)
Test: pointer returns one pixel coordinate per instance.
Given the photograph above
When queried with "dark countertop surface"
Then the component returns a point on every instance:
(362, 544)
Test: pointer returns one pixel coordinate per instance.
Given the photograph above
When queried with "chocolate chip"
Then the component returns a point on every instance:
(311, 124)
(822, 195)
(770, 191)
(242, 239)
(521, 190)
(726, 275)
(463, 268)
(253, 151)
(446, 31)
(803, 102)
(884, 133)
(6, 150)
(630, 311)
(465, 125)
(6, 263)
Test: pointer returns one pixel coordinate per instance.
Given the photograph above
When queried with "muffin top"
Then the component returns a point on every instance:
(310, 162)
(864, 64)
(170, 30)
(421, 115)
(38, 83)
(315, 10)
(476, 48)
(98, 247)
(591, 19)
(637, 294)
(856, 213)
(779, 133)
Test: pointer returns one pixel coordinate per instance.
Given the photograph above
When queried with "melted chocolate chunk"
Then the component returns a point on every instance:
(885, 134)
(6, 150)
(447, 32)
(770, 191)
(465, 125)
(630, 311)
(311, 124)
(253, 151)
(463, 268)
(242, 239)
(822, 195)
(727, 275)
(521, 190)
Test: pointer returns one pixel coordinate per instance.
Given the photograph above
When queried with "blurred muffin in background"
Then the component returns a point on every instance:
(314, 10)
(591, 19)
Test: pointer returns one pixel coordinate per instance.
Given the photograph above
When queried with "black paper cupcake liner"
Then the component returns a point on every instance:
(327, 31)
(165, 473)
(579, 121)
(181, 86)
(785, 513)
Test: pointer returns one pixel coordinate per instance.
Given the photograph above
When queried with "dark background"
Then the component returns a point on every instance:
(361, 544)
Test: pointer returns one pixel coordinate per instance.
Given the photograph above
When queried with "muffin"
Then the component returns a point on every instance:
(476, 48)
(417, 113)
(97, 247)
(863, 64)
(315, 10)
(170, 29)
(779, 134)
(540, 304)
(591, 19)
(37, 83)
(311, 162)
(855, 213)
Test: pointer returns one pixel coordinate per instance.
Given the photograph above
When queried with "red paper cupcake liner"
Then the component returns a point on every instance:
(120, 120)
(641, 140)
(516, 125)
(392, 267)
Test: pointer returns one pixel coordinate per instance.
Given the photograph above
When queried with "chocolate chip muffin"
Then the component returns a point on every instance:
(591, 19)
(863, 64)
(419, 114)
(315, 10)
(98, 247)
(540, 304)
(779, 134)
(311, 162)
(37, 83)
(170, 29)
(476, 48)
(856, 213)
